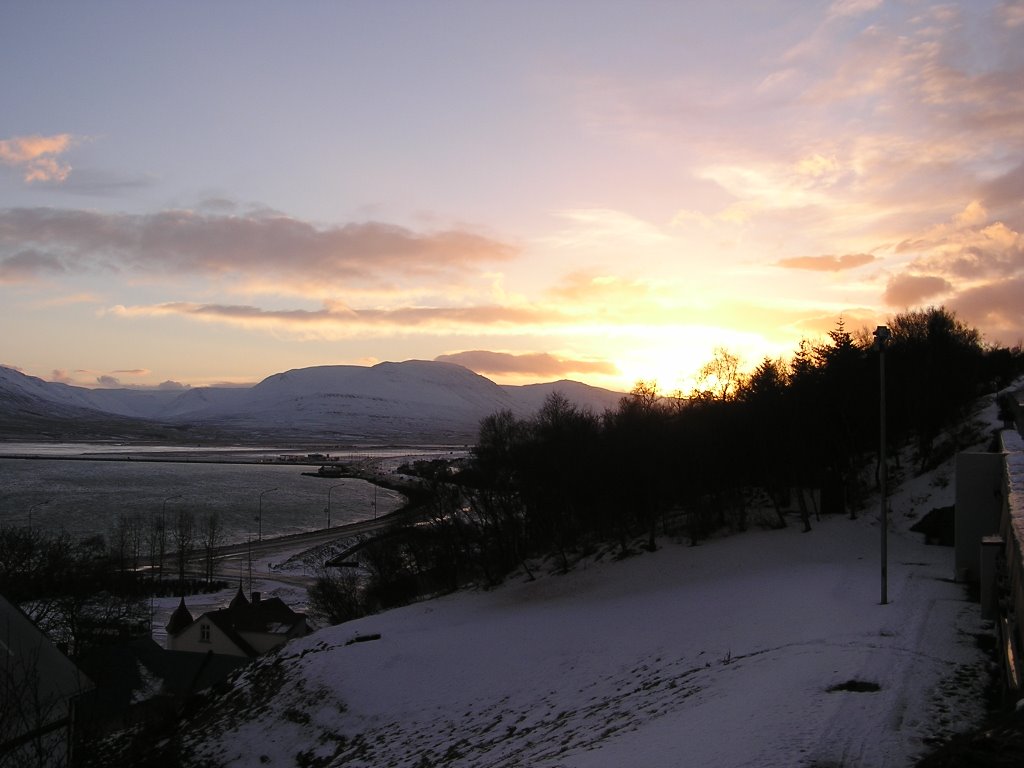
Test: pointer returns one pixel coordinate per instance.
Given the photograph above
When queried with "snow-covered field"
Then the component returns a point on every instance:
(725, 654)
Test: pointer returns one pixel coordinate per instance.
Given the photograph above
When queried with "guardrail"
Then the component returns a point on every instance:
(1009, 571)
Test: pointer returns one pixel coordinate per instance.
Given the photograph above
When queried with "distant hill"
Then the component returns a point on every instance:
(414, 401)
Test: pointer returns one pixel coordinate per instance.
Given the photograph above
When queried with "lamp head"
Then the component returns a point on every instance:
(882, 334)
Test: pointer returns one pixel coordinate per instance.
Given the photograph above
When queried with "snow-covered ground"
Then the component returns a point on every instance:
(737, 652)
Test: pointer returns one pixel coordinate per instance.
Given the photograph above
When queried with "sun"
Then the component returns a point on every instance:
(666, 368)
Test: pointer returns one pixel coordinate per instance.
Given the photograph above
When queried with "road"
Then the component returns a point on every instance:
(234, 559)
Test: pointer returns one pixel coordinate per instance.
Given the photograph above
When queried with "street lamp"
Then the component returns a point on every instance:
(882, 335)
(163, 507)
(259, 535)
(33, 507)
(329, 502)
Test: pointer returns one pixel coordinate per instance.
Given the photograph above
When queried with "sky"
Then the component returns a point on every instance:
(209, 193)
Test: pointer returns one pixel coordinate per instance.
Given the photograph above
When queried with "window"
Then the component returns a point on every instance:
(204, 633)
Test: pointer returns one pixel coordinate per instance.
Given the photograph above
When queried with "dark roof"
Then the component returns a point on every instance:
(180, 619)
(36, 670)
(265, 616)
(239, 600)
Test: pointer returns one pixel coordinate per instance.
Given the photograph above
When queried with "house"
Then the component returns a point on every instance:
(39, 687)
(245, 628)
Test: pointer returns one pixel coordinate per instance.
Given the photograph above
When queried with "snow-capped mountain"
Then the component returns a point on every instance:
(412, 401)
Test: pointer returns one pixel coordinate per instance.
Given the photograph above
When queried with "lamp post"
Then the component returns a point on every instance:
(259, 534)
(329, 502)
(882, 335)
(33, 507)
(163, 507)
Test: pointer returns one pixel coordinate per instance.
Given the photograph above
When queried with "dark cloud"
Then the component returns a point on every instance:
(108, 381)
(827, 263)
(908, 290)
(264, 243)
(172, 385)
(1005, 189)
(996, 309)
(100, 183)
(540, 363)
(28, 264)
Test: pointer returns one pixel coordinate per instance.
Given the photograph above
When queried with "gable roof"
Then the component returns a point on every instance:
(34, 670)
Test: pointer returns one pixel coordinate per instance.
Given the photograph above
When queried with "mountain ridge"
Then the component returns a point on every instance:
(409, 401)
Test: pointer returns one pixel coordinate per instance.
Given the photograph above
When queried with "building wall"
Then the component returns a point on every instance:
(191, 640)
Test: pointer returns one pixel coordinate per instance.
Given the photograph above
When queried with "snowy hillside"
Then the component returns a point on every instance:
(412, 401)
(530, 397)
(768, 648)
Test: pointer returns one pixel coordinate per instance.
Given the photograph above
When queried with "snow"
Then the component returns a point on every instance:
(412, 401)
(718, 655)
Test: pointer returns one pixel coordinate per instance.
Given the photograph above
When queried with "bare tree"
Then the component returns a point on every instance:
(184, 538)
(156, 543)
(719, 377)
(212, 536)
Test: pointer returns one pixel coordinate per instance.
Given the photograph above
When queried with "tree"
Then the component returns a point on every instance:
(212, 536)
(718, 378)
(184, 537)
(935, 365)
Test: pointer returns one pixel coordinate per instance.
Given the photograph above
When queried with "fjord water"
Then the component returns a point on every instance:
(84, 492)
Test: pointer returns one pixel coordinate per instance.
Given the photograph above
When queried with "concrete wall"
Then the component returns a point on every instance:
(979, 508)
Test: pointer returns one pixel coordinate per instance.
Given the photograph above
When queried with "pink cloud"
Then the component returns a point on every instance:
(827, 263)
(42, 240)
(539, 363)
(909, 290)
(37, 157)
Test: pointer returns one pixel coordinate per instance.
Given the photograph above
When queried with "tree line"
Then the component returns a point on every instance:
(798, 438)
(88, 591)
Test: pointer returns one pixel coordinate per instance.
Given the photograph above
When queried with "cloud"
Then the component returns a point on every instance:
(37, 157)
(172, 385)
(968, 247)
(536, 364)
(96, 182)
(827, 263)
(337, 321)
(995, 308)
(1007, 188)
(293, 252)
(585, 286)
(852, 7)
(108, 381)
(28, 264)
(909, 290)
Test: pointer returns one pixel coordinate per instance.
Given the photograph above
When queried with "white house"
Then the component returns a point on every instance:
(244, 628)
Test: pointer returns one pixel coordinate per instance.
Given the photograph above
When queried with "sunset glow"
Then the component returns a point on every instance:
(599, 191)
